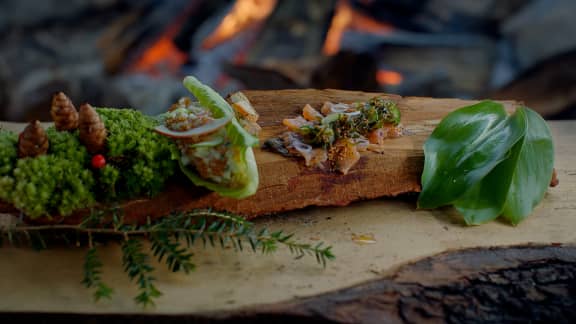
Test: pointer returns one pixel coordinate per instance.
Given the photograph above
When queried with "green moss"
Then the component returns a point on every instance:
(48, 185)
(139, 162)
(67, 145)
(8, 151)
(144, 159)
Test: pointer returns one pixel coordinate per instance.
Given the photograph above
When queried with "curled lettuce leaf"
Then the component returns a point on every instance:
(211, 100)
(245, 168)
(249, 172)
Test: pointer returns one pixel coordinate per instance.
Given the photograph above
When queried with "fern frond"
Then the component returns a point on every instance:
(177, 257)
(322, 254)
(95, 218)
(117, 219)
(171, 238)
(36, 240)
(92, 276)
(136, 265)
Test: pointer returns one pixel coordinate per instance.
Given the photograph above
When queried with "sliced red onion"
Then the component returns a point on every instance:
(194, 132)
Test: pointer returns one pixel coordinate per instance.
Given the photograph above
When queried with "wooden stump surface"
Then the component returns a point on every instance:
(418, 265)
(286, 184)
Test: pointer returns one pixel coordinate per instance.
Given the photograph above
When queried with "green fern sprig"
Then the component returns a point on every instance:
(94, 219)
(136, 265)
(36, 240)
(92, 276)
(270, 244)
(229, 229)
(15, 237)
(171, 239)
(208, 226)
(177, 257)
(5, 236)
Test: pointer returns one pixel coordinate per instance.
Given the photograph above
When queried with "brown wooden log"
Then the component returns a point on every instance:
(479, 285)
(287, 184)
(517, 284)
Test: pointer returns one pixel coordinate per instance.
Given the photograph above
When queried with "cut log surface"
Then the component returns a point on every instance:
(287, 184)
(529, 283)
(495, 285)
(394, 263)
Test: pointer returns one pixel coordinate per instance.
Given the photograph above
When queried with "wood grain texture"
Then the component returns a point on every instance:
(227, 284)
(496, 285)
(517, 284)
(286, 184)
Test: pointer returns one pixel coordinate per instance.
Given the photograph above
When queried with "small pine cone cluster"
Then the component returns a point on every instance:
(92, 129)
(33, 141)
(63, 112)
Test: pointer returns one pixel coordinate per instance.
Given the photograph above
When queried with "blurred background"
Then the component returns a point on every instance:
(122, 53)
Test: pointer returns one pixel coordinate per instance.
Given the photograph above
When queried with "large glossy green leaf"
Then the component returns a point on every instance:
(533, 170)
(485, 200)
(466, 145)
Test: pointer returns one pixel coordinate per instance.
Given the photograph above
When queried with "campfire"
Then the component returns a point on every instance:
(346, 18)
(244, 14)
(135, 54)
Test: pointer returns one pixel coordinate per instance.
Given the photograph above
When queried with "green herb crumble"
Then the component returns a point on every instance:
(138, 164)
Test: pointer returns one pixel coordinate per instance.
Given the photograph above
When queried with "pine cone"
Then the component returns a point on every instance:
(63, 113)
(33, 141)
(92, 129)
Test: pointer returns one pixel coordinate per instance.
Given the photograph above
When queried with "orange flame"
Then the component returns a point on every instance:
(164, 53)
(244, 14)
(386, 77)
(345, 17)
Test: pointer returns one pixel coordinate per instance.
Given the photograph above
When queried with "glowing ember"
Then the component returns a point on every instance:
(345, 17)
(163, 56)
(244, 14)
(386, 77)
(163, 53)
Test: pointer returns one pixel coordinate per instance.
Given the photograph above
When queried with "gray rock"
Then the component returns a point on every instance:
(541, 30)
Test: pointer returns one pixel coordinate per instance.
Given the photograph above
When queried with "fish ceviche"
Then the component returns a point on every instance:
(333, 137)
(215, 140)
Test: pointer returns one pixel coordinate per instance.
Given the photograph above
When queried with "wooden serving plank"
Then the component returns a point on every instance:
(506, 273)
(499, 285)
(287, 184)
